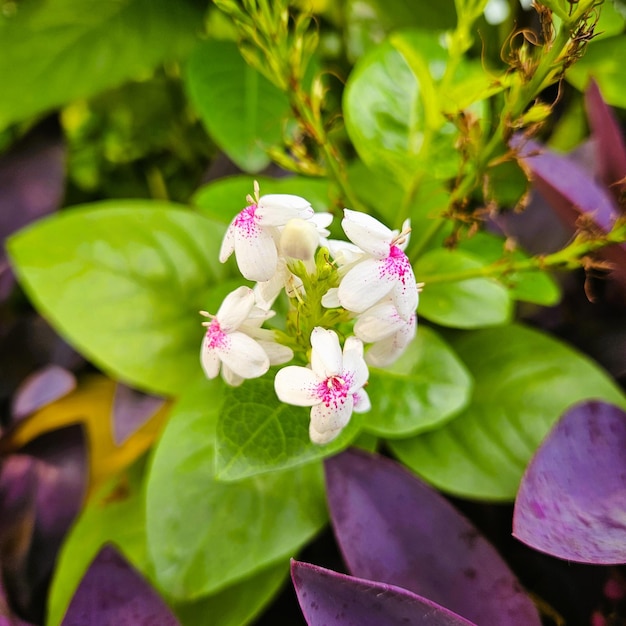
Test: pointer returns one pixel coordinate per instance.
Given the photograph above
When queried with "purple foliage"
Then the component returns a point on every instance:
(41, 388)
(32, 178)
(572, 499)
(393, 528)
(113, 593)
(41, 492)
(331, 599)
(131, 410)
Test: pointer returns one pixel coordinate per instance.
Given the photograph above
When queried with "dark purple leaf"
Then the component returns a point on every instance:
(113, 593)
(32, 176)
(608, 138)
(570, 190)
(40, 388)
(572, 499)
(392, 527)
(131, 410)
(331, 599)
(41, 492)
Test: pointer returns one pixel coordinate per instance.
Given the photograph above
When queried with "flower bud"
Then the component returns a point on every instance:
(299, 239)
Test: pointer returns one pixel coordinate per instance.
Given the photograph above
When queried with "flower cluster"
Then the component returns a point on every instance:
(365, 286)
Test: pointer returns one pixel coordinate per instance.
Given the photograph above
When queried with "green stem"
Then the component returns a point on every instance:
(568, 258)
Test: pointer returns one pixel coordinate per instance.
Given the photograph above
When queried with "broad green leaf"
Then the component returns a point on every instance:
(256, 433)
(604, 62)
(524, 381)
(392, 113)
(117, 514)
(204, 535)
(537, 287)
(458, 302)
(423, 389)
(222, 199)
(123, 282)
(60, 50)
(416, 13)
(242, 110)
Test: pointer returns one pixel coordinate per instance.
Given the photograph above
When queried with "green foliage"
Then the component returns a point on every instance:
(242, 110)
(423, 389)
(55, 57)
(524, 381)
(124, 281)
(204, 534)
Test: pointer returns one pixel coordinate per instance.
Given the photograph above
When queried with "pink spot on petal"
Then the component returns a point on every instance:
(334, 390)
(246, 222)
(396, 266)
(217, 338)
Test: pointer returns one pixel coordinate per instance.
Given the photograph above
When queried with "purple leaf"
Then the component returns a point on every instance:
(131, 410)
(114, 593)
(569, 189)
(392, 527)
(572, 499)
(40, 388)
(41, 492)
(331, 599)
(610, 148)
(32, 176)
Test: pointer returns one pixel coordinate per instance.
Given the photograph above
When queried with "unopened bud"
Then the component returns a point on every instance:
(299, 239)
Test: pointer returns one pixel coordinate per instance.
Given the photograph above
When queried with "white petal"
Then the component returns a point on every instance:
(297, 385)
(209, 360)
(385, 352)
(330, 299)
(344, 253)
(256, 253)
(322, 438)
(228, 243)
(230, 377)
(277, 353)
(367, 233)
(362, 402)
(326, 358)
(277, 209)
(405, 295)
(244, 356)
(322, 221)
(332, 416)
(382, 320)
(235, 308)
(354, 364)
(364, 285)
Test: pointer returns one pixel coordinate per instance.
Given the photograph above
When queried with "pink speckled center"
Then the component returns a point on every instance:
(218, 339)
(334, 390)
(247, 222)
(396, 265)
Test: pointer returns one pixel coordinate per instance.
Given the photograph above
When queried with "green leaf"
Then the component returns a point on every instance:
(222, 199)
(392, 113)
(257, 433)
(60, 50)
(117, 514)
(604, 62)
(204, 534)
(416, 13)
(423, 389)
(241, 109)
(468, 303)
(123, 282)
(524, 381)
(537, 287)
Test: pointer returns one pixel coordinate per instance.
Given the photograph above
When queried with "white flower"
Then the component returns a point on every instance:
(332, 386)
(253, 234)
(227, 342)
(389, 333)
(384, 271)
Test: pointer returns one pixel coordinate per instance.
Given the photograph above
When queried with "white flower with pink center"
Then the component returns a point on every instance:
(384, 271)
(332, 386)
(387, 331)
(253, 234)
(227, 344)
